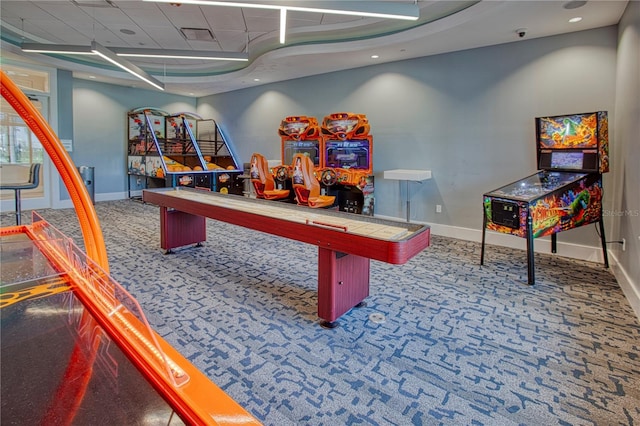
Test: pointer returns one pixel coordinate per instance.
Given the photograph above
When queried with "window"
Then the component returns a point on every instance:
(19, 147)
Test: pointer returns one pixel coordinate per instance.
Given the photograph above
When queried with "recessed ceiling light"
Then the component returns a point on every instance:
(256, 79)
(576, 19)
(92, 76)
(375, 56)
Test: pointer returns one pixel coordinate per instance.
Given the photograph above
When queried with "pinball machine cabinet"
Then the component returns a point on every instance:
(566, 192)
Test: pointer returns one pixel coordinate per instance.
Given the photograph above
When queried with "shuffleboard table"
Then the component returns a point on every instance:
(346, 242)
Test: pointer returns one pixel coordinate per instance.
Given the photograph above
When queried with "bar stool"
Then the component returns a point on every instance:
(33, 182)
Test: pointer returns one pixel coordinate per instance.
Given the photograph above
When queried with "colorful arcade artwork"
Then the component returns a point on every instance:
(556, 202)
(570, 131)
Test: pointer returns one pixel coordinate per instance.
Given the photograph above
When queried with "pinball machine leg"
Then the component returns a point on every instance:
(554, 243)
(604, 243)
(484, 232)
(531, 279)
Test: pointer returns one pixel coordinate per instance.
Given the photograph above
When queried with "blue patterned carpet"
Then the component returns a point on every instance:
(460, 344)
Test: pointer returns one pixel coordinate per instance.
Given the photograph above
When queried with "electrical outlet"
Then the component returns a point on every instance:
(624, 244)
(438, 208)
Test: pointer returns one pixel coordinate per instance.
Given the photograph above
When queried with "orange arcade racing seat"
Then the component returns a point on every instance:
(263, 181)
(306, 185)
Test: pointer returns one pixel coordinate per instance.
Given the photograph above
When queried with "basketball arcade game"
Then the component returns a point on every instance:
(75, 345)
(572, 154)
(164, 152)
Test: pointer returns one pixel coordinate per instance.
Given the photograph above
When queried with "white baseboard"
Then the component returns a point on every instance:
(541, 245)
(630, 289)
(109, 196)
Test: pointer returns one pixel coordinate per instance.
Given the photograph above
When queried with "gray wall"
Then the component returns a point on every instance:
(625, 212)
(466, 116)
(65, 104)
(100, 128)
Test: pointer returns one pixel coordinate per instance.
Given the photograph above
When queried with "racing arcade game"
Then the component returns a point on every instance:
(298, 135)
(346, 162)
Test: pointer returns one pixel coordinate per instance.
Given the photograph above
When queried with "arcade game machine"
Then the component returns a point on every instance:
(572, 153)
(298, 135)
(181, 162)
(163, 152)
(219, 158)
(346, 162)
(76, 347)
(146, 125)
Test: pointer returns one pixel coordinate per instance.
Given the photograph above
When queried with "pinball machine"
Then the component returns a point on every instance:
(566, 192)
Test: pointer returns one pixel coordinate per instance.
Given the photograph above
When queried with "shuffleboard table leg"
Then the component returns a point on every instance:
(343, 283)
(179, 229)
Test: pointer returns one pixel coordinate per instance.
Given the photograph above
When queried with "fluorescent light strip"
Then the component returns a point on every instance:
(54, 48)
(283, 24)
(371, 9)
(364, 13)
(108, 55)
(180, 54)
(94, 49)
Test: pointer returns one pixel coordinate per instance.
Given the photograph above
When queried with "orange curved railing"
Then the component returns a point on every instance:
(89, 224)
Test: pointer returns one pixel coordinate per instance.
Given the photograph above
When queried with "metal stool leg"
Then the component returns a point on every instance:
(18, 207)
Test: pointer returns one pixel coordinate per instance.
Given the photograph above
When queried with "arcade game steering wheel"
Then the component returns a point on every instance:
(281, 174)
(329, 177)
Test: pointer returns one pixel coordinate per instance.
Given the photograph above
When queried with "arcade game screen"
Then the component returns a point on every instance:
(351, 154)
(567, 160)
(309, 148)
